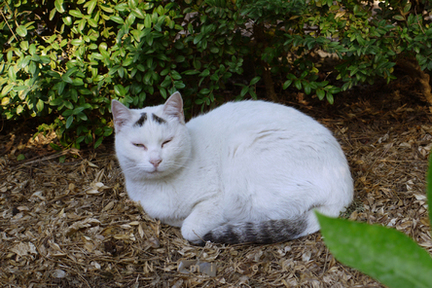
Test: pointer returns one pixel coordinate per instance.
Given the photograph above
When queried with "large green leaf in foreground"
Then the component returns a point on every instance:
(387, 255)
(429, 188)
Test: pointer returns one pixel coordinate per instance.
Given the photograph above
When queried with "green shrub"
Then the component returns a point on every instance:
(69, 58)
(367, 46)
(66, 59)
(387, 255)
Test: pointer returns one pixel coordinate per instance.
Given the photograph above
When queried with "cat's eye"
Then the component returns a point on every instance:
(166, 142)
(139, 145)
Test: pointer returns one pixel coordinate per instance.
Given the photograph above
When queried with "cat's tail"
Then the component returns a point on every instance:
(266, 232)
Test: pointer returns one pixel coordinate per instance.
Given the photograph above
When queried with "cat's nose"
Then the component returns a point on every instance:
(155, 162)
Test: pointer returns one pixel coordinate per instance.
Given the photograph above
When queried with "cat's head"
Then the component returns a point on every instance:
(152, 142)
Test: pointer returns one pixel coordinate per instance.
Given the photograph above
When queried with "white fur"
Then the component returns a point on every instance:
(244, 161)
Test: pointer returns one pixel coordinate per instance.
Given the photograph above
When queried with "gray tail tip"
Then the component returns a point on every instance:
(266, 232)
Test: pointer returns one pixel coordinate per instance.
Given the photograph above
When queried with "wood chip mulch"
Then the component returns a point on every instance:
(71, 224)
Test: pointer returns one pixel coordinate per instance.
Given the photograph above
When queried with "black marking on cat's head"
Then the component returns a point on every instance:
(141, 120)
(158, 119)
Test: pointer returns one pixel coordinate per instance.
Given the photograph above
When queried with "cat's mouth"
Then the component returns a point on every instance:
(155, 174)
(155, 171)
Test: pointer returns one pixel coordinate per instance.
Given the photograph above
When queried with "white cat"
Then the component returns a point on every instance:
(249, 171)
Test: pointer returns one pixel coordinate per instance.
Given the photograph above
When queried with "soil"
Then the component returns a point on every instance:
(71, 224)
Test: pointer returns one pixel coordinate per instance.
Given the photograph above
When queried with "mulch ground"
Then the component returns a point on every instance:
(71, 224)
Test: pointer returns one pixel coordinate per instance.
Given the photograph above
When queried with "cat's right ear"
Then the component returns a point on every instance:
(174, 107)
(121, 114)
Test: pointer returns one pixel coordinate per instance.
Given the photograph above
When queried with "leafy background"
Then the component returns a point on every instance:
(62, 61)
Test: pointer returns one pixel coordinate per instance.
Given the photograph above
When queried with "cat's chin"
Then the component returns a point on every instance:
(156, 174)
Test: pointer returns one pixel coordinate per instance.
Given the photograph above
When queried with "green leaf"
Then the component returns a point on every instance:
(244, 91)
(180, 58)
(90, 6)
(21, 31)
(164, 83)
(255, 80)
(307, 87)
(67, 79)
(149, 39)
(5, 101)
(58, 4)
(165, 72)
(60, 87)
(190, 72)
(55, 147)
(67, 20)
(205, 73)
(81, 24)
(253, 94)
(407, 8)
(6, 89)
(121, 7)
(286, 84)
(175, 75)
(32, 49)
(25, 45)
(147, 21)
(106, 8)
(108, 130)
(132, 3)
(69, 121)
(77, 110)
(77, 42)
(130, 19)
(329, 97)
(198, 38)
(94, 24)
(12, 73)
(399, 18)
(88, 139)
(68, 105)
(82, 116)
(20, 157)
(56, 102)
(119, 90)
(138, 13)
(163, 92)
(76, 13)
(98, 142)
(320, 93)
(40, 105)
(179, 85)
(387, 255)
(117, 19)
(52, 14)
(429, 187)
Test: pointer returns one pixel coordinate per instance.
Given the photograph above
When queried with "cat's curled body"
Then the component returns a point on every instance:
(249, 171)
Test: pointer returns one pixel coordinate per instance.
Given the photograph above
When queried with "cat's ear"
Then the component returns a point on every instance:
(174, 107)
(121, 114)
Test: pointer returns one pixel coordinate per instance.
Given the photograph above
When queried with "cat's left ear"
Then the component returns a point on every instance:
(121, 114)
(174, 107)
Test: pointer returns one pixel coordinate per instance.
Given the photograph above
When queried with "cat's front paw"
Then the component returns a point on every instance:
(191, 235)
